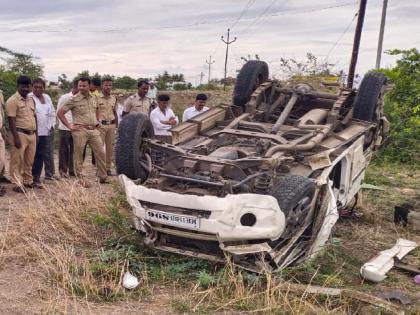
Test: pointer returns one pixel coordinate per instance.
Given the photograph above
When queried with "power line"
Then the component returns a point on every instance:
(341, 36)
(190, 25)
(258, 17)
(246, 8)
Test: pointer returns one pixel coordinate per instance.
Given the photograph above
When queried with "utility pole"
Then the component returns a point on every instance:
(201, 77)
(381, 35)
(227, 42)
(356, 42)
(209, 62)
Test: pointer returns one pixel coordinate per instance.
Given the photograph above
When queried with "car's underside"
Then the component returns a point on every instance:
(254, 180)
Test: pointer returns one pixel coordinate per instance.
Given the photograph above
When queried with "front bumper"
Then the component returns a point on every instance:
(223, 221)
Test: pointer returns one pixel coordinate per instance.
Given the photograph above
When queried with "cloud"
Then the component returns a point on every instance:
(146, 38)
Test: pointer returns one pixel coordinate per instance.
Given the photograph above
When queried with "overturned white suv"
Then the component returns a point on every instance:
(261, 180)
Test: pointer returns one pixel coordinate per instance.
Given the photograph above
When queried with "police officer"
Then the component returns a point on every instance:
(20, 109)
(109, 120)
(2, 146)
(85, 112)
(139, 102)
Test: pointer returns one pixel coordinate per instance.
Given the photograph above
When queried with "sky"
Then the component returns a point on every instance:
(144, 38)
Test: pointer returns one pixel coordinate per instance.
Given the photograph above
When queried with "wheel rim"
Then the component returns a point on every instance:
(296, 217)
(142, 154)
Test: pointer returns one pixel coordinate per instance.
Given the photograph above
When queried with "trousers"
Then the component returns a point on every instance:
(43, 157)
(108, 138)
(65, 153)
(22, 159)
(81, 137)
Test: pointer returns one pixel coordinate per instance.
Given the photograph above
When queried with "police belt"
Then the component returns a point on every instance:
(25, 131)
(108, 122)
(88, 127)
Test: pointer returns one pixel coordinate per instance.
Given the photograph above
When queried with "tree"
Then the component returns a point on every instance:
(402, 107)
(25, 65)
(125, 83)
(18, 64)
(310, 66)
(165, 80)
(63, 82)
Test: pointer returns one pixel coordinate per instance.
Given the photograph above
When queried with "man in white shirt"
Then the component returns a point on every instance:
(163, 119)
(65, 152)
(152, 93)
(198, 107)
(45, 118)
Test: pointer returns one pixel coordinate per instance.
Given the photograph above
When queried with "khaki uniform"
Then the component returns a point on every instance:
(83, 110)
(1, 98)
(107, 129)
(136, 104)
(2, 145)
(21, 160)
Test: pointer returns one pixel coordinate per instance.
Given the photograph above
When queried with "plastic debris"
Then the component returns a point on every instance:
(417, 279)
(129, 281)
(375, 269)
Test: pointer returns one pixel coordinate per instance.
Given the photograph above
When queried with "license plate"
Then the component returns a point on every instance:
(184, 221)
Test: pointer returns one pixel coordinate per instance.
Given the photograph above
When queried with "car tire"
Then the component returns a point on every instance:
(294, 195)
(251, 75)
(129, 152)
(369, 94)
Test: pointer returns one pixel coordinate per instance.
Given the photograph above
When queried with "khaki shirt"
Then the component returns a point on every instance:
(23, 109)
(1, 109)
(135, 104)
(83, 109)
(1, 98)
(106, 106)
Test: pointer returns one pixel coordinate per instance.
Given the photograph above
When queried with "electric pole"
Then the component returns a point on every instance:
(356, 42)
(227, 42)
(381, 35)
(209, 62)
(201, 77)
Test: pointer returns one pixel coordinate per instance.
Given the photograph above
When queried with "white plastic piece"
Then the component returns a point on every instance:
(129, 281)
(375, 269)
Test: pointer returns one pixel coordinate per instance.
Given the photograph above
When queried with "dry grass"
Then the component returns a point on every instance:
(79, 244)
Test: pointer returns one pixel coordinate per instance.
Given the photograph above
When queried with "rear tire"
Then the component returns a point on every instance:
(294, 195)
(252, 74)
(129, 151)
(368, 96)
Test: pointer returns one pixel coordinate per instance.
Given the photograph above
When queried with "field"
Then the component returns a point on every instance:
(65, 249)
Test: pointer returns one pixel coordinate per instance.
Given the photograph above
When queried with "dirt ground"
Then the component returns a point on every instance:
(22, 285)
(23, 288)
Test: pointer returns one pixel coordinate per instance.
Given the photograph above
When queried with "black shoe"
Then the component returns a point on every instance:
(64, 175)
(19, 189)
(72, 174)
(51, 177)
(36, 185)
(4, 179)
(103, 180)
(2, 191)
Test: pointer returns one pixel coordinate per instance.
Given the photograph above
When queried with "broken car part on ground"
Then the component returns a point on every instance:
(260, 180)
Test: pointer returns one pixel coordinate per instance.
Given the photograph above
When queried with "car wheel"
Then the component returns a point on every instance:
(294, 195)
(369, 95)
(130, 155)
(252, 74)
